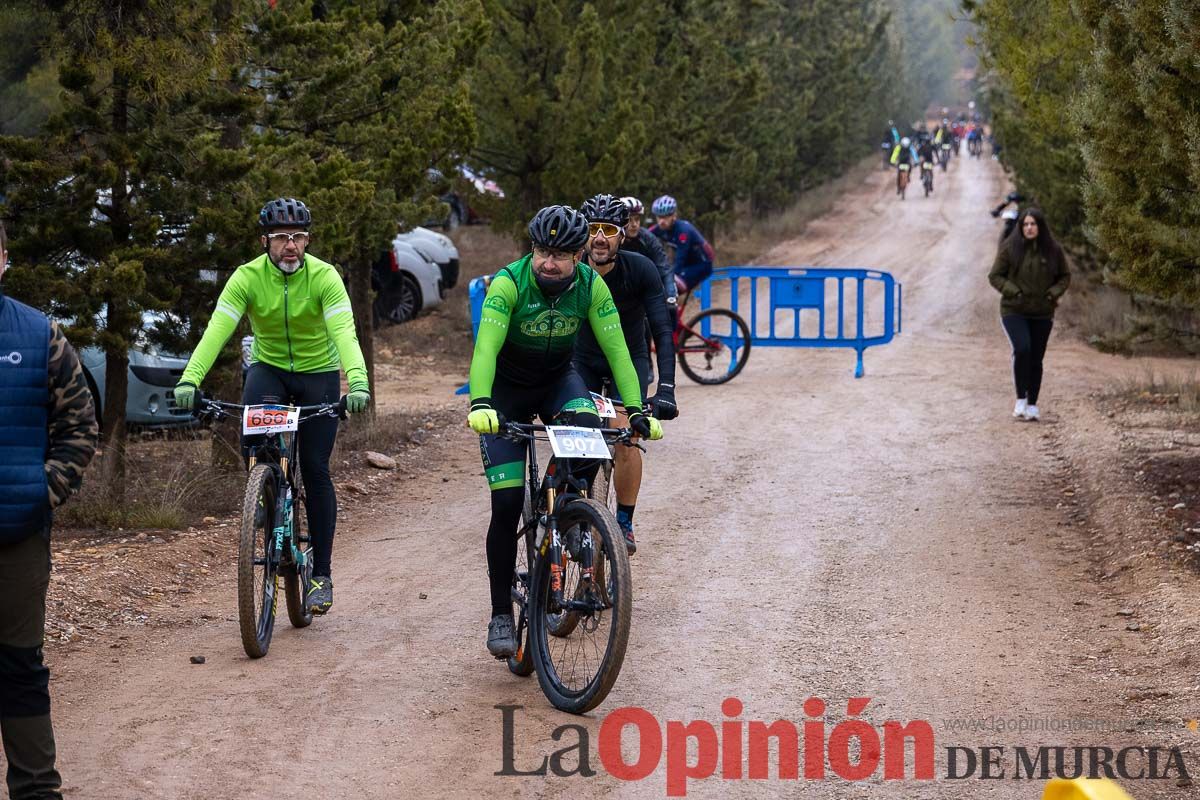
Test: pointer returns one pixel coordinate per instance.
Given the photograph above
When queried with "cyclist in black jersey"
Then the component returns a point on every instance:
(637, 291)
(640, 240)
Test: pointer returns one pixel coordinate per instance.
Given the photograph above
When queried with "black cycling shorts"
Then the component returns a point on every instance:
(597, 376)
(562, 398)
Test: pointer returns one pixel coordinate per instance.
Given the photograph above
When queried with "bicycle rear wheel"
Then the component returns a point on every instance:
(718, 357)
(297, 577)
(576, 672)
(258, 563)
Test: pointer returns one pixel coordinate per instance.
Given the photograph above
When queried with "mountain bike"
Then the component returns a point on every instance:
(944, 154)
(902, 179)
(572, 592)
(713, 346)
(927, 176)
(272, 541)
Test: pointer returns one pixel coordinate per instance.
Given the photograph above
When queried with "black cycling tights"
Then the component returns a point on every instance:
(267, 384)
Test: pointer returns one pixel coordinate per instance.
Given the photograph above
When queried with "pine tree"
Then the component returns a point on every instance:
(361, 98)
(1139, 117)
(101, 199)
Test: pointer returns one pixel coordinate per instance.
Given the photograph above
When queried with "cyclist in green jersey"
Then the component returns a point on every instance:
(522, 367)
(303, 331)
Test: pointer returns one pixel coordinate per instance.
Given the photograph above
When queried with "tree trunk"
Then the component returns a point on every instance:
(121, 319)
(116, 392)
(364, 326)
(225, 383)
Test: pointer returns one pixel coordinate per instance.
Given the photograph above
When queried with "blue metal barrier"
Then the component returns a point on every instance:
(794, 290)
(788, 289)
(476, 291)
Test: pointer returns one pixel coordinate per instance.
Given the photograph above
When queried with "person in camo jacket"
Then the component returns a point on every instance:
(47, 437)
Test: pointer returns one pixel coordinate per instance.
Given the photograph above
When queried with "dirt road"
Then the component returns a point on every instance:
(803, 534)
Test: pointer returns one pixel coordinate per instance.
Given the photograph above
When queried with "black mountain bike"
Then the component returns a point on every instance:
(272, 540)
(572, 592)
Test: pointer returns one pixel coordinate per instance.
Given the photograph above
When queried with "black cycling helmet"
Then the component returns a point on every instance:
(284, 212)
(606, 208)
(559, 228)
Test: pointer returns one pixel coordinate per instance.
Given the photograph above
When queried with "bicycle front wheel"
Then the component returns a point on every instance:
(577, 672)
(258, 562)
(522, 662)
(718, 356)
(297, 577)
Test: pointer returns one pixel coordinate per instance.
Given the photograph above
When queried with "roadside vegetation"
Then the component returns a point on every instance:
(1096, 108)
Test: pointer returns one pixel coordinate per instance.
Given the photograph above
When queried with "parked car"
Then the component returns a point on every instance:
(150, 402)
(405, 283)
(437, 248)
(459, 198)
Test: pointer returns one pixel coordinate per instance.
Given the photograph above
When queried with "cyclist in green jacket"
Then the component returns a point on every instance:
(522, 367)
(303, 331)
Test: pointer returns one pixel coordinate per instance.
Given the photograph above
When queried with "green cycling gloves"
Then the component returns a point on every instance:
(358, 400)
(185, 396)
(483, 418)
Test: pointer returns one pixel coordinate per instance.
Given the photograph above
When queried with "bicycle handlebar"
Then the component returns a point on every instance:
(611, 435)
(205, 405)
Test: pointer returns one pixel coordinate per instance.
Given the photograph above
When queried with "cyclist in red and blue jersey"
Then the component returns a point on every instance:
(693, 254)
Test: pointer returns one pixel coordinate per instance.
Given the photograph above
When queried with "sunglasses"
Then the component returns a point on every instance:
(607, 228)
(300, 239)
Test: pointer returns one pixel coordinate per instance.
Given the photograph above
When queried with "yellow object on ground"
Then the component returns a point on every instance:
(1084, 789)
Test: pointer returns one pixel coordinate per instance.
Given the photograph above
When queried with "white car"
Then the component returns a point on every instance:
(435, 247)
(405, 283)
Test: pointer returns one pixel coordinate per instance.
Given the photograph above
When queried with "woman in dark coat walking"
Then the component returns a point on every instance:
(1030, 272)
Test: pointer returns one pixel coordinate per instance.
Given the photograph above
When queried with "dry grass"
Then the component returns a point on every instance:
(1180, 390)
(166, 488)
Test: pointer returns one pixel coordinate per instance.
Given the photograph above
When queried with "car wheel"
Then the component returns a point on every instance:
(399, 301)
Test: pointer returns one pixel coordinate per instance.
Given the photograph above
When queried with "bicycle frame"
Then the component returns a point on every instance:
(548, 493)
(278, 450)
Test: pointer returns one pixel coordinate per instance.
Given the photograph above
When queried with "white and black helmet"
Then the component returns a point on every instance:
(605, 208)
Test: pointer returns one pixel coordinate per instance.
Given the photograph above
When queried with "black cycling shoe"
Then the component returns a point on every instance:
(500, 641)
(320, 595)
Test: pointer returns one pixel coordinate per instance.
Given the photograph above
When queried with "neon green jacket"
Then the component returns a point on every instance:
(529, 339)
(302, 322)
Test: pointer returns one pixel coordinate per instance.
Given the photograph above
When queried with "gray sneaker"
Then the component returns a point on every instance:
(320, 595)
(500, 641)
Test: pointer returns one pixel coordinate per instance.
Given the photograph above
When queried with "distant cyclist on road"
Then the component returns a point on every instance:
(638, 293)
(927, 155)
(521, 367)
(303, 332)
(693, 255)
(904, 153)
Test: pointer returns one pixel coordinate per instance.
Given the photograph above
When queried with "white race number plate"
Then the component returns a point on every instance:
(568, 441)
(604, 406)
(261, 420)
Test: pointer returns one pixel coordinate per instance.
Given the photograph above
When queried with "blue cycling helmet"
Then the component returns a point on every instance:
(664, 206)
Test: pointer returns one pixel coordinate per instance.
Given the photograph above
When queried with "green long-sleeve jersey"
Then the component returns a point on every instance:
(302, 322)
(529, 339)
